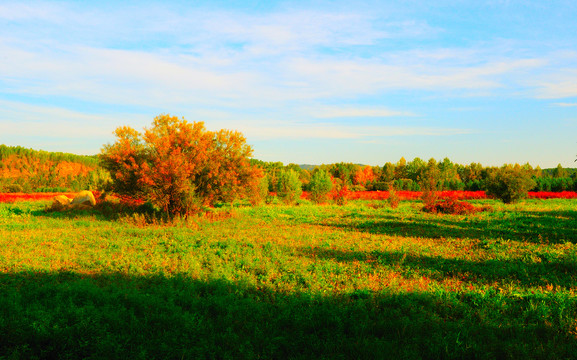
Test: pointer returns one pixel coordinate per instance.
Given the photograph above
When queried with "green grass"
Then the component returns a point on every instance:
(306, 281)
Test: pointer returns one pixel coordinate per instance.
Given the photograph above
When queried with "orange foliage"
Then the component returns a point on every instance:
(364, 175)
(179, 165)
(15, 166)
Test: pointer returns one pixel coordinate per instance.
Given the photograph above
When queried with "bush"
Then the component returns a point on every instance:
(320, 186)
(288, 186)
(429, 197)
(52, 190)
(263, 193)
(339, 192)
(393, 198)
(14, 188)
(179, 166)
(378, 186)
(356, 188)
(429, 180)
(509, 183)
(454, 207)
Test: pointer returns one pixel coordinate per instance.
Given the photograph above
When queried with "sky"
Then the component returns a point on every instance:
(306, 82)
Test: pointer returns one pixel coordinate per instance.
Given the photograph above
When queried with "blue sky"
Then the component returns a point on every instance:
(306, 82)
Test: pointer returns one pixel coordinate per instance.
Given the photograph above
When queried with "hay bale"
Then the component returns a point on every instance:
(83, 198)
(60, 203)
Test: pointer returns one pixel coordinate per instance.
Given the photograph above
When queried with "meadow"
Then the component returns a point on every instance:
(360, 281)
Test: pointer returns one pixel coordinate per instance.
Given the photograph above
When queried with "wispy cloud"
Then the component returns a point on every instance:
(359, 111)
(559, 85)
(235, 59)
(40, 11)
(284, 130)
(565, 104)
(21, 119)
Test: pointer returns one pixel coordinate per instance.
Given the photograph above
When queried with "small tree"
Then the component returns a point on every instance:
(339, 192)
(393, 198)
(263, 193)
(509, 183)
(428, 183)
(559, 172)
(177, 165)
(320, 186)
(288, 186)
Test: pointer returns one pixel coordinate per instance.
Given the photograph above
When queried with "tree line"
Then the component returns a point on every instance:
(411, 175)
(28, 170)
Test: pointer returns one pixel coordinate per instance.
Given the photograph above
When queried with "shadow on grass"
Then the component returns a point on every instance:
(103, 211)
(71, 316)
(537, 227)
(560, 272)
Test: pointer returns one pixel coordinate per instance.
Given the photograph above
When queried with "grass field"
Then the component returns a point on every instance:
(357, 281)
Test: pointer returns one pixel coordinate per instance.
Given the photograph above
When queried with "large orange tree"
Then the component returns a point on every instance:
(178, 165)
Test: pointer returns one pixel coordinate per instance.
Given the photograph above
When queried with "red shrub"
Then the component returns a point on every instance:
(340, 195)
(454, 206)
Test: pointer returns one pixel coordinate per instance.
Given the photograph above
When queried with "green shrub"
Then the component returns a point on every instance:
(429, 183)
(52, 189)
(263, 193)
(14, 188)
(320, 186)
(509, 183)
(288, 186)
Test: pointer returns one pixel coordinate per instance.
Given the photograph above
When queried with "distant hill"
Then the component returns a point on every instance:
(308, 167)
(25, 170)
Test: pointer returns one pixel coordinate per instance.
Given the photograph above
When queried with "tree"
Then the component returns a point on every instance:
(388, 173)
(288, 186)
(448, 171)
(344, 171)
(177, 165)
(401, 169)
(415, 168)
(320, 185)
(509, 183)
(428, 182)
(559, 172)
(262, 193)
(363, 175)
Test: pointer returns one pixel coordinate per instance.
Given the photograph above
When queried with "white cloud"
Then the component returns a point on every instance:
(20, 119)
(329, 77)
(558, 86)
(146, 78)
(284, 130)
(234, 59)
(39, 11)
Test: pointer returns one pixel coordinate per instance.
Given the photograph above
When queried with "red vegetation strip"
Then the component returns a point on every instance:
(352, 195)
(413, 195)
(553, 195)
(13, 197)
(460, 195)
